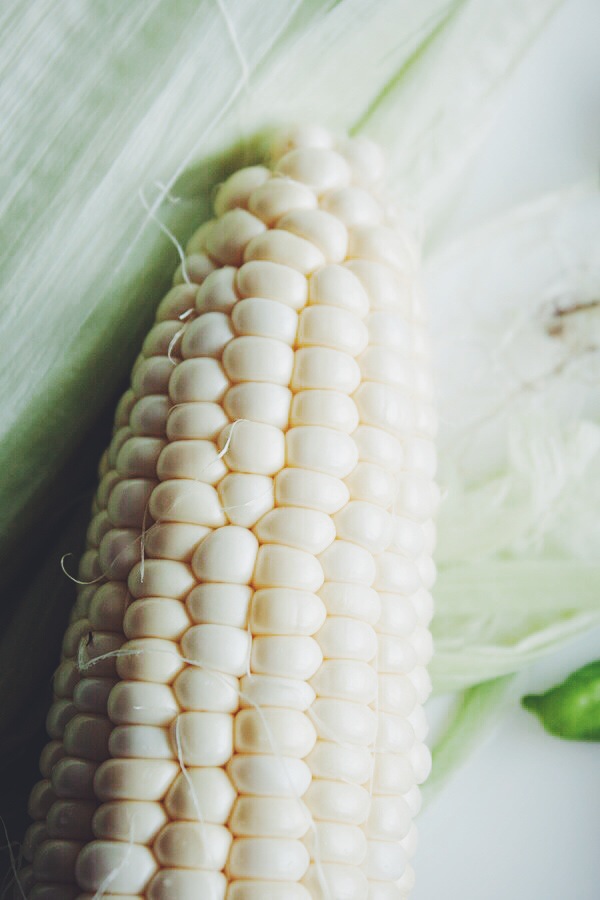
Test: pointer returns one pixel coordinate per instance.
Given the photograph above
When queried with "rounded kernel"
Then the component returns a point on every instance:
(269, 776)
(278, 196)
(129, 820)
(273, 281)
(285, 249)
(231, 234)
(312, 490)
(134, 779)
(320, 168)
(203, 738)
(286, 567)
(321, 449)
(251, 358)
(335, 285)
(156, 617)
(245, 498)
(331, 409)
(320, 228)
(207, 335)
(201, 421)
(265, 318)
(220, 604)
(129, 866)
(325, 369)
(237, 190)
(207, 793)
(198, 380)
(218, 647)
(305, 529)
(218, 291)
(253, 447)
(226, 555)
(332, 326)
(259, 402)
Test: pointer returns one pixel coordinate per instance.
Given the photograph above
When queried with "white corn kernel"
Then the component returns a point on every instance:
(220, 604)
(265, 318)
(218, 647)
(333, 842)
(279, 731)
(311, 490)
(353, 206)
(239, 187)
(186, 884)
(202, 689)
(353, 600)
(273, 281)
(321, 449)
(346, 763)
(140, 742)
(253, 447)
(332, 326)
(134, 779)
(245, 498)
(286, 611)
(187, 501)
(285, 249)
(206, 336)
(252, 358)
(203, 738)
(320, 228)
(324, 368)
(385, 287)
(218, 291)
(258, 402)
(278, 196)
(201, 421)
(267, 775)
(277, 859)
(269, 817)
(272, 690)
(320, 168)
(195, 380)
(205, 793)
(193, 845)
(285, 656)
(331, 409)
(173, 540)
(346, 679)
(306, 529)
(226, 555)
(231, 234)
(141, 703)
(335, 285)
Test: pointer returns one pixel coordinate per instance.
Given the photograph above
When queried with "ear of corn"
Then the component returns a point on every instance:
(238, 709)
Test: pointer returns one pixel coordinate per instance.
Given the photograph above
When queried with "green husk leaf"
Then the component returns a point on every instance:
(471, 717)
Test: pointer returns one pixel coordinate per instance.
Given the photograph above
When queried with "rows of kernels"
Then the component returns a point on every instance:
(272, 732)
(331, 335)
(173, 708)
(141, 703)
(391, 399)
(278, 421)
(64, 803)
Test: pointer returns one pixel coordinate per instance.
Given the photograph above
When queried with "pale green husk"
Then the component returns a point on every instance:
(519, 540)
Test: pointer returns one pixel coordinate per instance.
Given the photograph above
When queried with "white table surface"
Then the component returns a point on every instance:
(521, 819)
